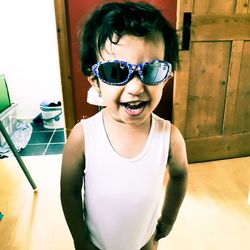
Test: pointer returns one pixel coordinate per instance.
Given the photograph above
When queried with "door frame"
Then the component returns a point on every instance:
(64, 58)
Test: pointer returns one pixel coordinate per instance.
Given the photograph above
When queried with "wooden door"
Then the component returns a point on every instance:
(212, 89)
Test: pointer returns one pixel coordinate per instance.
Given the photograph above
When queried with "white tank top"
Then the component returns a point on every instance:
(122, 196)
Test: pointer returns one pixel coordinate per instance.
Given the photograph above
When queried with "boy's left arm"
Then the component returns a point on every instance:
(177, 184)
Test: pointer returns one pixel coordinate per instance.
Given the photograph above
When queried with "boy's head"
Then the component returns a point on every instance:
(114, 20)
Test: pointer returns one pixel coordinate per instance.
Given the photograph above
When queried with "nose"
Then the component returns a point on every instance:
(135, 86)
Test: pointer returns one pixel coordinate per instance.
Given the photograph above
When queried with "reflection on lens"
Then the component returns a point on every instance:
(154, 72)
(113, 72)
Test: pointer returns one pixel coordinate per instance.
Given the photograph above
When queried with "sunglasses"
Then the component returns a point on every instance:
(119, 73)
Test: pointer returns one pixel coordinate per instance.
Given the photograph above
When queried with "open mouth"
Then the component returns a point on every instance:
(134, 108)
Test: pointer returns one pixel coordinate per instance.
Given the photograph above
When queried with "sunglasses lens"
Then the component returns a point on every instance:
(155, 72)
(113, 72)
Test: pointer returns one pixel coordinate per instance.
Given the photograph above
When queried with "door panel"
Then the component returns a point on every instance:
(221, 27)
(212, 89)
(204, 7)
(207, 87)
(242, 111)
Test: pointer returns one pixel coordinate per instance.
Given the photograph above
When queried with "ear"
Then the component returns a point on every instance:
(171, 76)
(93, 80)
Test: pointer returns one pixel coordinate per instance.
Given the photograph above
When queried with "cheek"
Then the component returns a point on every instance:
(156, 92)
(110, 93)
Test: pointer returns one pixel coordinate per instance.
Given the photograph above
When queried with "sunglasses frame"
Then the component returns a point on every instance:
(132, 68)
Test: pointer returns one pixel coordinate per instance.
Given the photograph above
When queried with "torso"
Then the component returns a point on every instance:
(134, 137)
(122, 194)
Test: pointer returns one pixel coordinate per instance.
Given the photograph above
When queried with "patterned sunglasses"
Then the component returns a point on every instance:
(119, 73)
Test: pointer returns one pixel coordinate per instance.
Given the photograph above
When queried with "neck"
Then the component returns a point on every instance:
(122, 136)
(113, 122)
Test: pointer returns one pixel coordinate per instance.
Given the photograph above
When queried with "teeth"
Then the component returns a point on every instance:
(134, 105)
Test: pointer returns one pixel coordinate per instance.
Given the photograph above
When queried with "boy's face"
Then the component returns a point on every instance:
(134, 102)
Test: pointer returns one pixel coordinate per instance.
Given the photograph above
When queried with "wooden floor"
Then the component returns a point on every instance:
(214, 216)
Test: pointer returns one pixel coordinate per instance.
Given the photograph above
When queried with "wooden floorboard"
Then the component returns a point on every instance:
(215, 213)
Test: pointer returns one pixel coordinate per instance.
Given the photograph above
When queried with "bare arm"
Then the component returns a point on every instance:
(177, 184)
(73, 164)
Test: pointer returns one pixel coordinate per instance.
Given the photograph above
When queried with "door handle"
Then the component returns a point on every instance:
(187, 21)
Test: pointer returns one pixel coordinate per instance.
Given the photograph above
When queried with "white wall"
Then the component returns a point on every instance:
(29, 53)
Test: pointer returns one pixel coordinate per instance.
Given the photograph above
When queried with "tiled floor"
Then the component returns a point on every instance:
(44, 141)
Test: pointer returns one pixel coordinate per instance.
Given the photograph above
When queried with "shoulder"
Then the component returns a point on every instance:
(176, 137)
(75, 142)
(76, 139)
(76, 135)
(73, 161)
(160, 122)
(177, 153)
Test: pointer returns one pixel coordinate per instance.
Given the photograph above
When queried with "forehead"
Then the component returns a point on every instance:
(134, 49)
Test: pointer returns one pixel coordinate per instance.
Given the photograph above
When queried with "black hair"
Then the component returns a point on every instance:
(127, 18)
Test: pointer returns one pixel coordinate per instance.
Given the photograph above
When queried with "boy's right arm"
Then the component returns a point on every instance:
(71, 185)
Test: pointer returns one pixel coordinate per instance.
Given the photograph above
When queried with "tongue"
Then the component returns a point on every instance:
(134, 111)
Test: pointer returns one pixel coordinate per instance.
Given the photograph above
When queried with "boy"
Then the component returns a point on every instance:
(119, 155)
